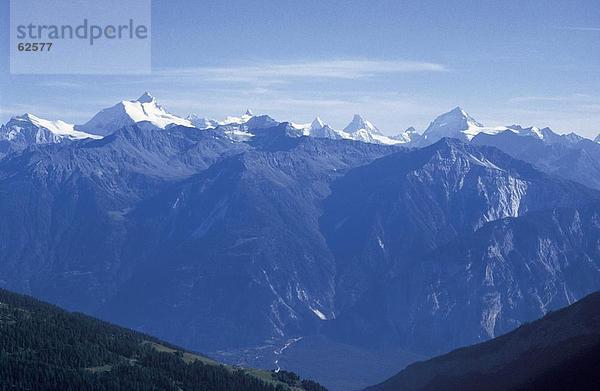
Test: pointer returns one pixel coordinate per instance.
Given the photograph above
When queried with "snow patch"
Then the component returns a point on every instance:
(319, 314)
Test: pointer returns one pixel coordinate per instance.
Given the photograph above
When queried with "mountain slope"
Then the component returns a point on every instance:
(577, 159)
(558, 352)
(65, 207)
(382, 216)
(249, 221)
(487, 283)
(45, 348)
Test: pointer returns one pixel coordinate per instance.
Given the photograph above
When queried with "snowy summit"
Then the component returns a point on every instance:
(29, 129)
(124, 113)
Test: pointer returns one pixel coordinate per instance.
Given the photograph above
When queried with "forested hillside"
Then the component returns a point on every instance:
(43, 347)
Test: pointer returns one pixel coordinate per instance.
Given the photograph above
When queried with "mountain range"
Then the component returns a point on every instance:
(145, 111)
(260, 241)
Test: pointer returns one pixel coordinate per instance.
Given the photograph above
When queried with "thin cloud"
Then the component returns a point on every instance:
(572, 28)
(573, 98)
(280, 73)
(60, 84)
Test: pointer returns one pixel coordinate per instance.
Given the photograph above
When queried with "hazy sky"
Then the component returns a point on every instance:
(398, 63)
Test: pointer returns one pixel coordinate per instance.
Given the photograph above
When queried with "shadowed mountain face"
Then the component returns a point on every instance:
(64, 208)
(230, 246)
(435, 249)
(561, 351)
(484, 284)
(381, 216)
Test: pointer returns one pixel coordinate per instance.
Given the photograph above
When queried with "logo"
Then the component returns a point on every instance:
(83, 37)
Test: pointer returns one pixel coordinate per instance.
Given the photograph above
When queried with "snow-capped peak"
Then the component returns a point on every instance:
(238, 120)
(454, 118)
(362, 130)
(146, 98)
(145, 109)
(320, 129)
(456, 123)
(359, 123)
(29, 129)
(530, 131)
(56, 127)
(317, 123)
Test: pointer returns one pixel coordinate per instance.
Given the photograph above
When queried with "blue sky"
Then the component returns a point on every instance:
(398, 63)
